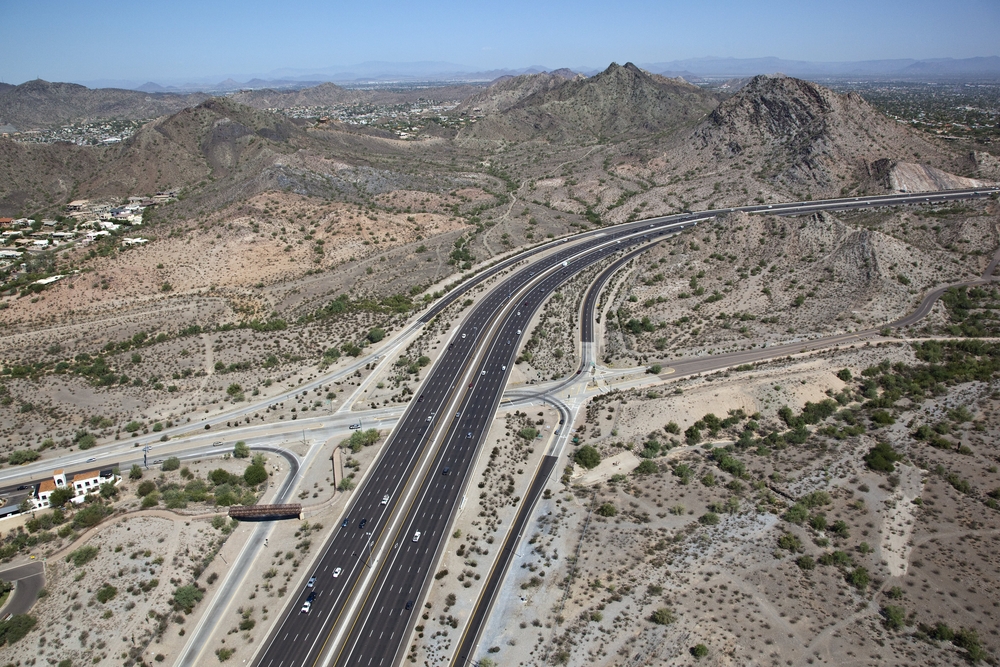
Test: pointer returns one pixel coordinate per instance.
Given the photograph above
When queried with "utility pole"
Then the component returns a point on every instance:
(145, 449)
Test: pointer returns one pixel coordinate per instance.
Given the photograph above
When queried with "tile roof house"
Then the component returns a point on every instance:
(82, 483)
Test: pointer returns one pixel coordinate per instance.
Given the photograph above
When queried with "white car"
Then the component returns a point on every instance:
(416, 536)
(385, 499)
(483, 374)
(336, 573)
(306, 606)
(519, 331)
(503, 368)
(463, 335)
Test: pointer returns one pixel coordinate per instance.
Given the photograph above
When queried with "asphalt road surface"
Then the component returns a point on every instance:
(28, 579)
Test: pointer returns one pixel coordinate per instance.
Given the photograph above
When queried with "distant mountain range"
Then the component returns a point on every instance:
(382, 73)
(905, 68)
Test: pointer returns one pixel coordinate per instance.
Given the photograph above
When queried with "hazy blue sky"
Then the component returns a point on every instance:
(65, 40)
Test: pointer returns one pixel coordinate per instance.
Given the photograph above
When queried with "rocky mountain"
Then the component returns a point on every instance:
(40, 104)
(623, 100)
(795, 135)
(506, 91)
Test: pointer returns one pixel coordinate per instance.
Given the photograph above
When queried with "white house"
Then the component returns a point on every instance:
(82, 484)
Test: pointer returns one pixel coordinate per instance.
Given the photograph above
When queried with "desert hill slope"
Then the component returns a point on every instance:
(622, 100)
(507, 91)
(38, 103)
(796, 134)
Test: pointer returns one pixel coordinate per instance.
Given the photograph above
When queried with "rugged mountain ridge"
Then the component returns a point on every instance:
(40, 104)
(507, 91)
(796, 134)
(622, 100)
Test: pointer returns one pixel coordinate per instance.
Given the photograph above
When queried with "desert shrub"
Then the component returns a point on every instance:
(15, 628)
(859, 578)
(663, 616)
(708, 519)
(172, 463)
(106, 592)
(20, 456)
(186, 597)
(91, 515)
(82, 556)
(894, 617)
(699, 650)
(607, 509)
(145, 488)
(646, 467)
(241, 450)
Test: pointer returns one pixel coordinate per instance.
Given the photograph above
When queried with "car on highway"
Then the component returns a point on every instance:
(311, 582)
(385, 499)
(216, 443)
(463, 336)
(483, 374)
(362, 523)
(409, 605)
(518, 332)
(451, 346)
(446, 471)
(416, 536)
(503, 368)
(306, 606)
(469, 435)
(344, 523)
(336, 573)
(419, 400)
(91, 459)
(157, 461)
(24, 486)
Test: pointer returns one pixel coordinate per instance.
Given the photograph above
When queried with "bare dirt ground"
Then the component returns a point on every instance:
(752, 584)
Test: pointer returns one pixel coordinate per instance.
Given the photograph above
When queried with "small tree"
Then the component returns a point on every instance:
(172, 463)
(61, 496)
(255, 474)
(607, 509)
(135, 472)
(587, 457)
(241, 450)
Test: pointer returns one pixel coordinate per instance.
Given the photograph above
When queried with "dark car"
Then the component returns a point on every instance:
(312, 596)
(421, 398)
(362, 523)
(345, 522)
(409, 605)
(446, 471)
(23, 487)
(451, 346)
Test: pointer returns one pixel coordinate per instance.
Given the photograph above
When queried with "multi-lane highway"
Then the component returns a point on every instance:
(362, 616)
(456, 404)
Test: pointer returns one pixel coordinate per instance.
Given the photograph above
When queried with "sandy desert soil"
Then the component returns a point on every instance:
(750, 584)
